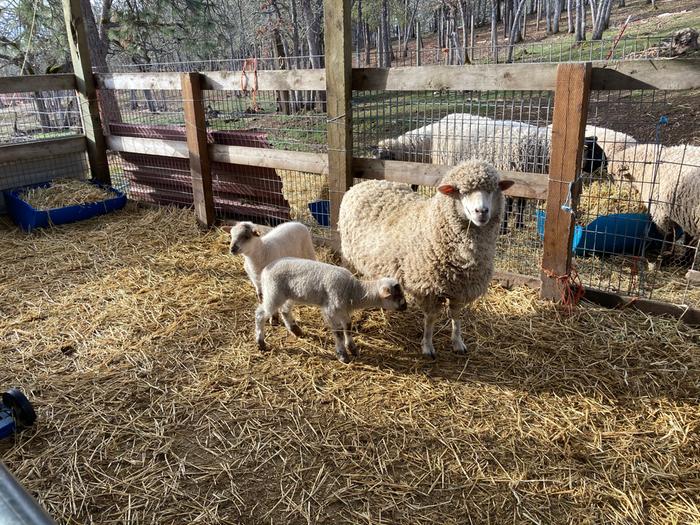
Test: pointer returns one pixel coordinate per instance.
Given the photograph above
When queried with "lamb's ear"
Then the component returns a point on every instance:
(384, 291)
(226, 228)
(447, 189)
(256, 232)
(505, 184)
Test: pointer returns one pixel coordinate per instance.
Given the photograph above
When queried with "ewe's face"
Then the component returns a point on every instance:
(241, 236)
(392, 294)
(478, 206)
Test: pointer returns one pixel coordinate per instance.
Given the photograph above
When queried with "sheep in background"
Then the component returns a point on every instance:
(612, 142)
(668, 179)
(440, 249)
(416, 145)
(291, 239)
(334, 289)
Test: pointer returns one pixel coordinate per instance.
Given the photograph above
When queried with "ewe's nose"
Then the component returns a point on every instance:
(482, 212)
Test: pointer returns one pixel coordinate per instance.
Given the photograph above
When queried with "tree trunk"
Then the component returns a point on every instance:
(580, 35)
(556, 16)
(387, 33)
(368, 53)
(569, 16)
(314, 38)
(494, 30)
(513, 31)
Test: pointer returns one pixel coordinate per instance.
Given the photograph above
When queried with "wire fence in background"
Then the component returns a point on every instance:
(41, 115)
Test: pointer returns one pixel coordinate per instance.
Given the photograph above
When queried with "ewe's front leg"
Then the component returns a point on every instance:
(457, 342)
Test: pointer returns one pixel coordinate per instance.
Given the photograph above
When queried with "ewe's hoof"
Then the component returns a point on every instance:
(262, 346)
(343, 358)
(297, 331)
(353, 349)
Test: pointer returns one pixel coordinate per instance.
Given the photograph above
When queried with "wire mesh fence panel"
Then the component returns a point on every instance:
(34, 171)
(565, 49)
(172, 64)
(635, 232)
(41, 115)
(291, 120)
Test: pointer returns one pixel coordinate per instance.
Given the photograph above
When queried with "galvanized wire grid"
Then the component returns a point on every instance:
(632, 254)
(562, 50)
(34, 116)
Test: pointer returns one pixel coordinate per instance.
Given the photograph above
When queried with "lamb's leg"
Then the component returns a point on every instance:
(338, 334)
(428, 324)
(288, 319)
(261, 317)
(346, 322)
(457, 342)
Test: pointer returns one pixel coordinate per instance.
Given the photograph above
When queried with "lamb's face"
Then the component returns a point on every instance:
(243, 235)
(391, 294)
(478, 206)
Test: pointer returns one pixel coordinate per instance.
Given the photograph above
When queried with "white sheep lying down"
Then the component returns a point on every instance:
(334, 289)
(440, 249)
(291, 239)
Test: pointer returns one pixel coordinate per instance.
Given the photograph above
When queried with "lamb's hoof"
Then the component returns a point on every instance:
(459, 347)
(275, 320)
(429, 352)
(297, 331)
(262, 346)
(353, 349)
(343, 357)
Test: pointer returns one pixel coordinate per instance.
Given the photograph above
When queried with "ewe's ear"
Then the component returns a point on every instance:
(385, 291)
(447, 189)
(505, 184)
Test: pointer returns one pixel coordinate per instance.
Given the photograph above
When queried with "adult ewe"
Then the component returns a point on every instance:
(440, 249)
(668, 179)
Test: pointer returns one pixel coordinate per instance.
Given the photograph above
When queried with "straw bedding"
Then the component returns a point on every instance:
(132, 334)
(64, 192)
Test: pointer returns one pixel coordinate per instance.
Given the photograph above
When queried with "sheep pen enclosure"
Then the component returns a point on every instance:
(133, 333)
(134, 336)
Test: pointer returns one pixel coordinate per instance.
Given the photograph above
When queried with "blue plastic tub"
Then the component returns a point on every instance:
(321, 211)
(28, 218)
(619, 234)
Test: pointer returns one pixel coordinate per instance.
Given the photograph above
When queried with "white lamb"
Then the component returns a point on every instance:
(440, 249)
(332, 288)
(668, 179)
(291, 239)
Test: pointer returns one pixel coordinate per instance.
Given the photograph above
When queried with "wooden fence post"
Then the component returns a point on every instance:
(87, 93)
(338, 96)
(196, 130)
(568, 126)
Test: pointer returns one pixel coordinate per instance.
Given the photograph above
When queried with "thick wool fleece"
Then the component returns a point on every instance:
(429, 245)
(674, 191)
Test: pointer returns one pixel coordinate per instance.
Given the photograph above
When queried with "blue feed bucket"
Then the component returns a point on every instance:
(321, 211)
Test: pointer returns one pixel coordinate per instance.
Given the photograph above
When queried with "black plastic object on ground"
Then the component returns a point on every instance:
(17, 507)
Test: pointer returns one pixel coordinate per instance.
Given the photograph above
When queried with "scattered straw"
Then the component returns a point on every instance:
(132, 333)
(64, 192)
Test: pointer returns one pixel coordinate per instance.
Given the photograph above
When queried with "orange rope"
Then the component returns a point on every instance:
(253, 64)
(570, 287)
